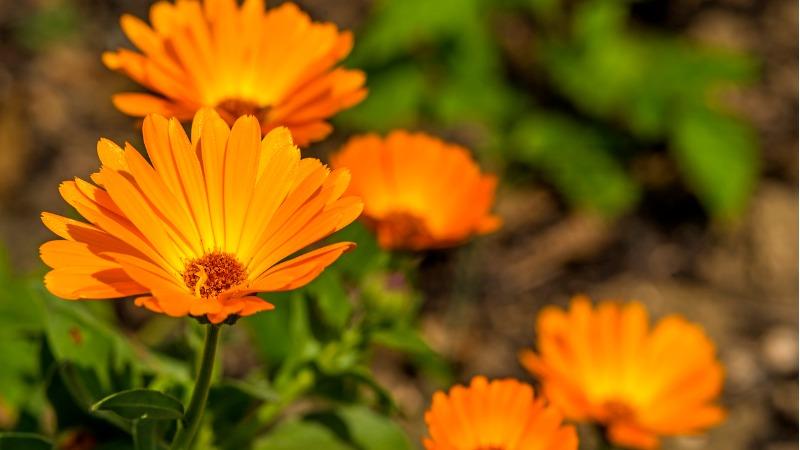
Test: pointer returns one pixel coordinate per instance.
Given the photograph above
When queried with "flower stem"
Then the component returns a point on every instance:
(602, 438)
(197, 404)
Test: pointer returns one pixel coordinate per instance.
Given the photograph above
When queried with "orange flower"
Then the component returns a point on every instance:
(605, 365)
(418, 191)
(277, 65)
(497, 415)
(208, 224)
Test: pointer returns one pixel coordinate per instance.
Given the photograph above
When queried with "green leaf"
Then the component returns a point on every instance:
(24, 441)
(407, 340)
(596, 19)
(371, 431)
(577, 160)
(474, 89)
(366, 258)
(77, 336)
(283, 336)
(291, 389)
(270, 331)
(141, 404)
(20, 366)
(20, 339)
(364, 375)
(298, 435)
(230, 409)
(68, 393)
(543, 9)
(144, 434)
(19, 309)
(331, 300)
(639, 79)
(257, 389)
(338, 357)
(47, 25)
(395, 98)
(397, 27)
(718, 156)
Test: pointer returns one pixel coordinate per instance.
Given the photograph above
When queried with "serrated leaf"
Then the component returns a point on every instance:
(141, 404)
(24, 441)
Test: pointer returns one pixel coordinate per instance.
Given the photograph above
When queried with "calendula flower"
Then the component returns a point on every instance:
(496, 415)
(605, 365)
(209, 223)
(419, 192)
(277, 65)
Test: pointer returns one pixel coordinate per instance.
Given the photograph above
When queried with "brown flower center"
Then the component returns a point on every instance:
(213, 273)
(402, 230)
(617, 410)
(233, 108)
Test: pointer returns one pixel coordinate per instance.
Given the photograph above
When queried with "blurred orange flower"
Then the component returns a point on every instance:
(496, 415)
(208, 224)
(419, 192)
(277, 65)
(605, 365)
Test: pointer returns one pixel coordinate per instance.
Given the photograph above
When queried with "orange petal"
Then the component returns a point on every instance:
(241, 167)
(241, 306)
(298, 271)
(136, 104)
(629, 435)
(91, 283)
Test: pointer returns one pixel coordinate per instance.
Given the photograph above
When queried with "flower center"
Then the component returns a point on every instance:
(213, 273)
(402, 229)
(618, 410)
(234, 108)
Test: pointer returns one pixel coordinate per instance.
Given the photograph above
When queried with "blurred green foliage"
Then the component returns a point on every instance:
(593, 90)
(24, 441)
(51, 22)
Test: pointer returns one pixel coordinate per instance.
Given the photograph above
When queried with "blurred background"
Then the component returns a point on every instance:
(647, 150)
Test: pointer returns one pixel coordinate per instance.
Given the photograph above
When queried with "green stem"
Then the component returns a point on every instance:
(197, 404)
